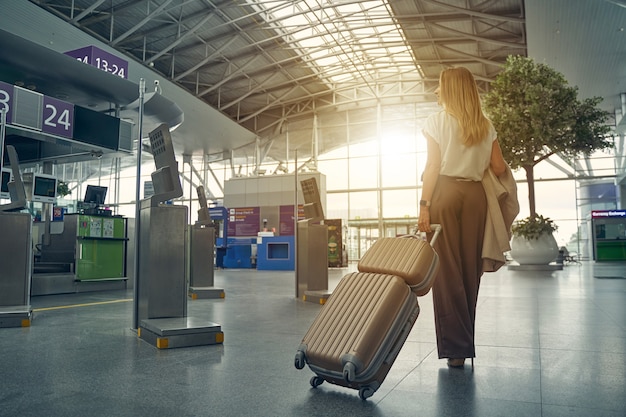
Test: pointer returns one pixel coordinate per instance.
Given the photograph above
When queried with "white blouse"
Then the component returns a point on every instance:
(457, 159)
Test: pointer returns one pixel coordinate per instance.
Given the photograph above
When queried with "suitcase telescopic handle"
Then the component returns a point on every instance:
(437, 228)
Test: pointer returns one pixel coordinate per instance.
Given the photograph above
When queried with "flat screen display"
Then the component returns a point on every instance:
(95, 194)
(4, 188)
(96, 128)
(44, 188)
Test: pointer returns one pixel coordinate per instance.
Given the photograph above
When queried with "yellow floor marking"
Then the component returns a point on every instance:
(83, 305)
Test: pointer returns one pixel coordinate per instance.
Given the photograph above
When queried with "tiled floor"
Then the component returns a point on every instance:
(548, 344)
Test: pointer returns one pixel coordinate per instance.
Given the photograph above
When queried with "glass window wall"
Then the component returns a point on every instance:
(373, 174)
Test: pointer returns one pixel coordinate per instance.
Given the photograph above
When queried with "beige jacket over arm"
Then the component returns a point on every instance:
(502, 208)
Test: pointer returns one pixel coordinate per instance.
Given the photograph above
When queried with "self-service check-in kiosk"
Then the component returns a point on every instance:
(15, 246)
(201, 263)
(312, 248)
(162, 285)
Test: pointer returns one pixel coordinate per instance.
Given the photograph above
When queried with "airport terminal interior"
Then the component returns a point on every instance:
(186, 183)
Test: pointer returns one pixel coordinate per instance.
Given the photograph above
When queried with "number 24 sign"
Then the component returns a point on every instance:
(58, 117)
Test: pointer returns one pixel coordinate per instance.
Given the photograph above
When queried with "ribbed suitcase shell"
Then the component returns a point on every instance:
(410, 258)
(358, 333)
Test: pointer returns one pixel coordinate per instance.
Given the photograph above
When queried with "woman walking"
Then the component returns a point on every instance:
(462, 144)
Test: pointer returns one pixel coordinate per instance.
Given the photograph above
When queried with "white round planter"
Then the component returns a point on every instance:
(541, 251)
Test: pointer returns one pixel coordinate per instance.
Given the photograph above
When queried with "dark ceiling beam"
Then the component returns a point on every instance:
(100, 15)
(262, 109)
(260, 87)
(204, 61)
(139, 35)
(451, 18)
(238, 71)
(509, 16)
(179, 39)
(491, 40)
(141, 23)
(87, 11)
(465, 38)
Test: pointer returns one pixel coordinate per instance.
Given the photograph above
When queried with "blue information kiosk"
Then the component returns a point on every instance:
(275, 253)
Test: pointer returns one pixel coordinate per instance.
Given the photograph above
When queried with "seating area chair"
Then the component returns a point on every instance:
(568, 257)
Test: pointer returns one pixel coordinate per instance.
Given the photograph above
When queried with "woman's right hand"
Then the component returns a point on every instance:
(423, 222)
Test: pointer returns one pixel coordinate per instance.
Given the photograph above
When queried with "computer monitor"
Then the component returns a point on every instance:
(95, 194)
(4, 188)
(44, 188)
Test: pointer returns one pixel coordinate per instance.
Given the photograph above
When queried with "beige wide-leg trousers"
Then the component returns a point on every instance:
(460, 206)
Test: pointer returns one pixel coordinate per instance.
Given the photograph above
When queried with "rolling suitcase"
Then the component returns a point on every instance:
(408, 257)
(359, 332)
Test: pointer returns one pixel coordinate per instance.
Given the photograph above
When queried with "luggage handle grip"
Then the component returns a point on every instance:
(435, 226)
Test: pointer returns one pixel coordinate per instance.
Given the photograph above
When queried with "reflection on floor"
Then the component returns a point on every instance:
(548, 344)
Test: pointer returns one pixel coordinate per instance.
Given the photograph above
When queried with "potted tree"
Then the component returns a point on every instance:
(63, 189)
(537, 115)
(533, 242)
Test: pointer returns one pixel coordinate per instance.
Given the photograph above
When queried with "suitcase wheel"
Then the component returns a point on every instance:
(299, 361)
(365, 392)
(349, 372)
(316, 381)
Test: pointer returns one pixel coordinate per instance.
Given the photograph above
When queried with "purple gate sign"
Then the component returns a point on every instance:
(58, 117)
(6, 99)
(100, 59)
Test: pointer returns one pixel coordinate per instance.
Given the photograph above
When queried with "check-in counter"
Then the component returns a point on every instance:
(93, 246)
(609, 235)
(240, 253)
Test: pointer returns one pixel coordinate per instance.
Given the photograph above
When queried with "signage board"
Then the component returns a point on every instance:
(58, 117)
(604, 214)
(102, 60)
(6, 99)
(37, 111)
(243, 221)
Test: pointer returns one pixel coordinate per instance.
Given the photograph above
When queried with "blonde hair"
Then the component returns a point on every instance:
(459, 96)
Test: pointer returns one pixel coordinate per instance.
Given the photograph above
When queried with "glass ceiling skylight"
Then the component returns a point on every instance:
(342, 40)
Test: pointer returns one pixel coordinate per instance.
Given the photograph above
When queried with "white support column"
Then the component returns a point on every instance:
(315, 140)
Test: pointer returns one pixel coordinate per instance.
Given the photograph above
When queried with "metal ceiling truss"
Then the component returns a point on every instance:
(261, 62)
